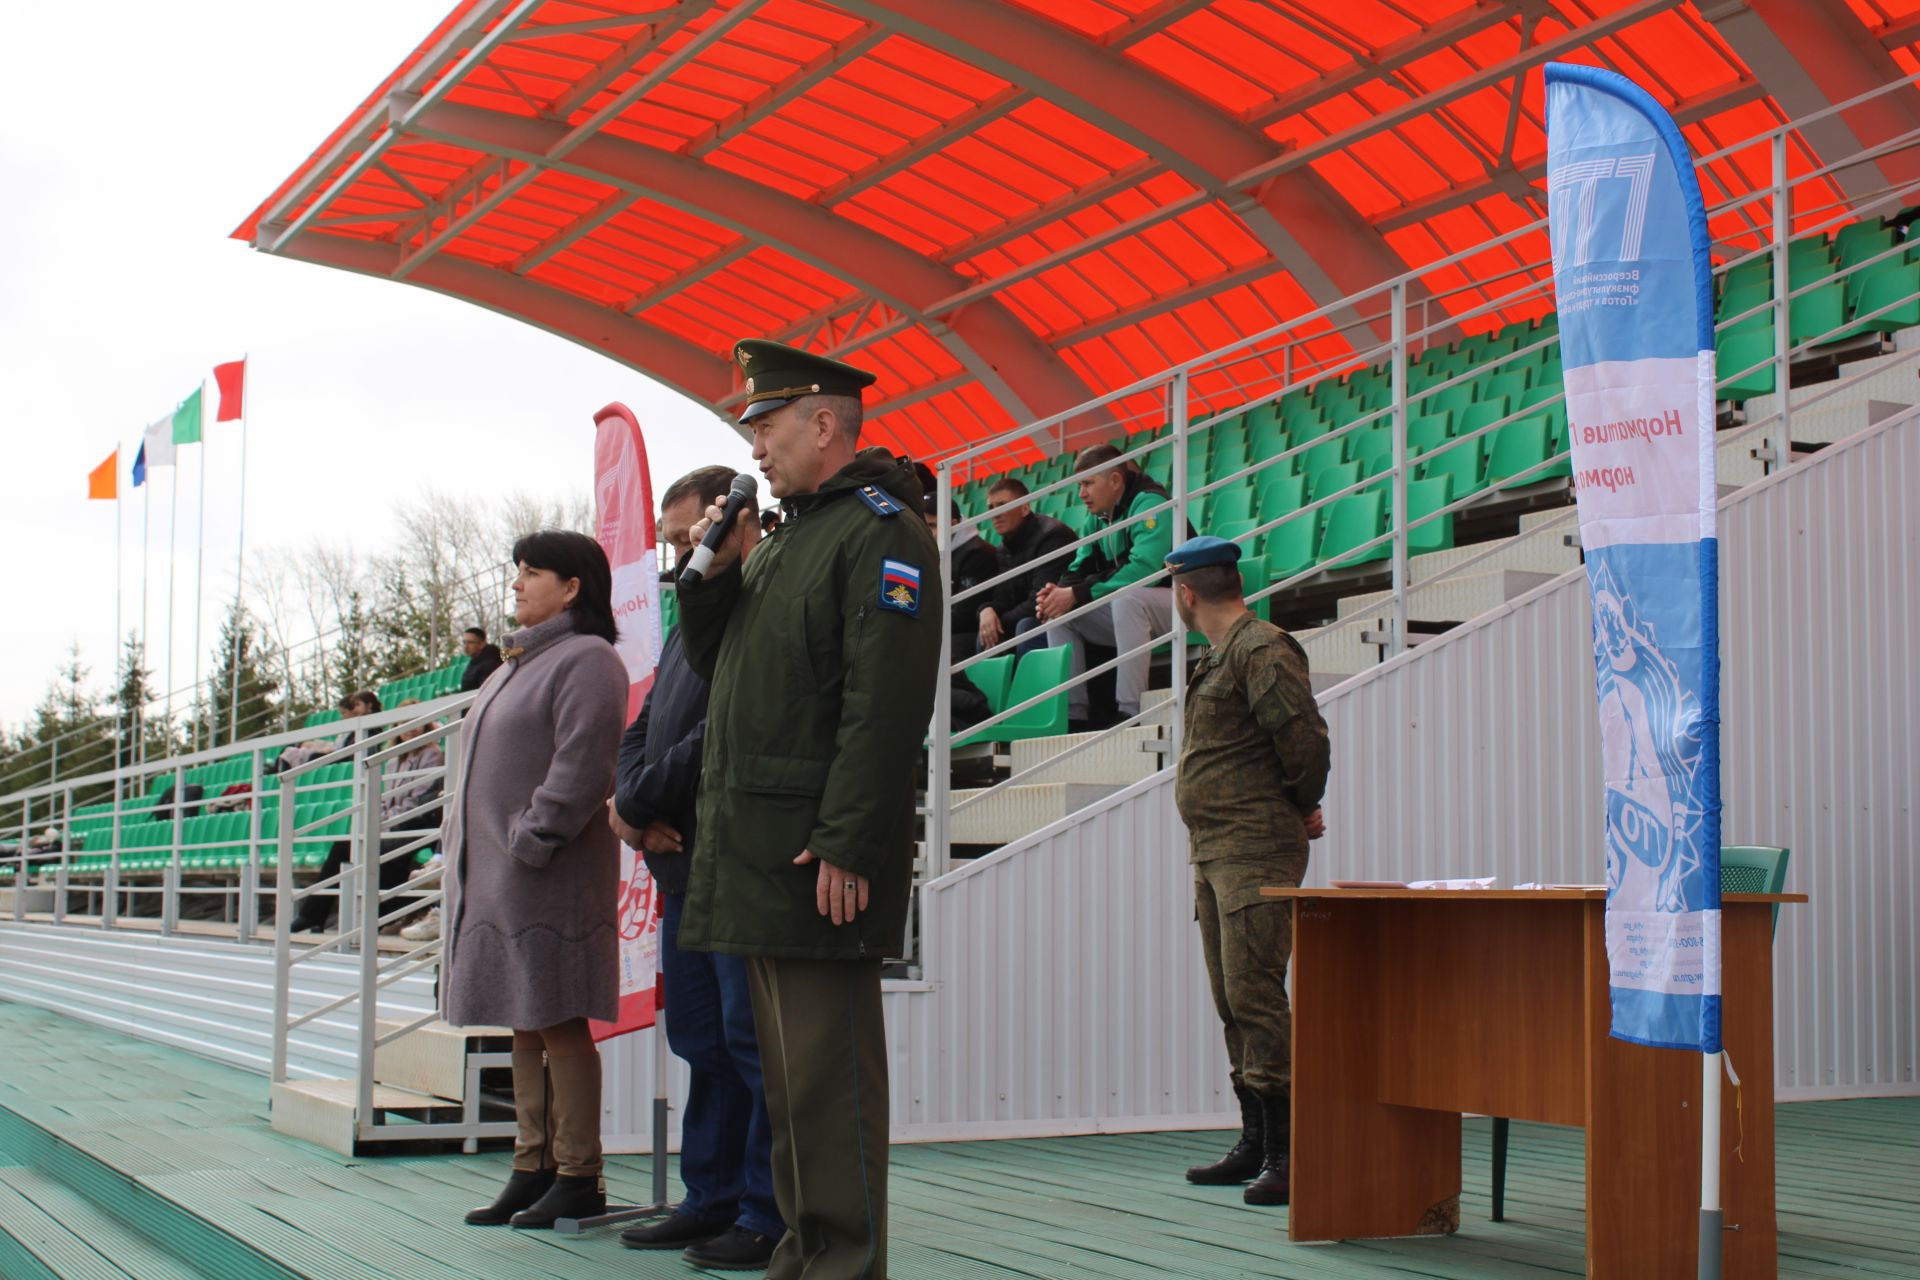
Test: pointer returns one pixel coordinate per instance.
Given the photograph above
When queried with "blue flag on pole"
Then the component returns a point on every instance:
(1635, 295)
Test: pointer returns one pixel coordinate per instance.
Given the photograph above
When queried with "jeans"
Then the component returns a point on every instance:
(726, 1144)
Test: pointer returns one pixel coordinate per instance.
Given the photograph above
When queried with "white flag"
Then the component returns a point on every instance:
(157, 443)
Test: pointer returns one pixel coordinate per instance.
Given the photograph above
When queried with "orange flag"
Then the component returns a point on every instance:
(104, 480)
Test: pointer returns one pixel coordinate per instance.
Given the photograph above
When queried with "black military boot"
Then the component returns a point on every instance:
(1243, 1161)
(1273, 1185)
(566, 1198)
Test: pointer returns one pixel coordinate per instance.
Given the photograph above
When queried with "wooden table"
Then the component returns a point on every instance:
(1412, 1006)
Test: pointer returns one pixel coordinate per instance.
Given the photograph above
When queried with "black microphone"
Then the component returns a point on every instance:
(745, 489)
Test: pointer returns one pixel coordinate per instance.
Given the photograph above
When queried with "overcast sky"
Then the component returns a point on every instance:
(126, 158)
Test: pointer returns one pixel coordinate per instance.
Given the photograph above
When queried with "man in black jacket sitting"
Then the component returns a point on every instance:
(728, 1220)
(483, 659)
(1028, 541)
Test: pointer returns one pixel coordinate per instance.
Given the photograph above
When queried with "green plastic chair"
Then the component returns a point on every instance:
(1230, 505)
(1037, 672)
(1735, 360)
(1354, 519)
(1465, 462)
(991, 676)
(1278, 493)
(1428, 432)
(1517, 447)
(1291, 546)
(1424, 497)
(1884, 285)
(1754, 868)
(1819, 314)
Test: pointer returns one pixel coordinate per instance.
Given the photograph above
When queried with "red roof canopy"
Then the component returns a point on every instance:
(1003, 207)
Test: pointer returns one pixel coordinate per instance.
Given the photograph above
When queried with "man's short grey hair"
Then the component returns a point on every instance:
(846, 410)
(709, 484)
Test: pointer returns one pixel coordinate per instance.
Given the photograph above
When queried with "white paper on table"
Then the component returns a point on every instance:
(1482, 882)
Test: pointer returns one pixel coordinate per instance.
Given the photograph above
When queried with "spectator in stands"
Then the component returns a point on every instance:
(483, 659)
(769, 520)
(974, 562)
(313, 748)
(1106, 571)
(369, 705)
(728, 1218)
(532, 872)
(412, 780)
(1028, 541)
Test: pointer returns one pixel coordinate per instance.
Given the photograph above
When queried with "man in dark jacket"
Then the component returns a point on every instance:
(1110, 571)
(728, 1220)
(974, 562)
(1036, 543)
(823, 654)
(483, 659)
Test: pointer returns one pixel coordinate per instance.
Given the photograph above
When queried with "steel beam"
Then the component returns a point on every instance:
(653, 351)
(1811, 54)
(1026, 376)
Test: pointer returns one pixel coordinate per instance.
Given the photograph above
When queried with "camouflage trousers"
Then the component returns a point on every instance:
(1247, 941)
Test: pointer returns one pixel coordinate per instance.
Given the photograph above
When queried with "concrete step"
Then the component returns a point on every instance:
(1337, 651)
(322, 1111)
(1011, 812)
(1116, 758)
(1826, 423)
(433, 1059)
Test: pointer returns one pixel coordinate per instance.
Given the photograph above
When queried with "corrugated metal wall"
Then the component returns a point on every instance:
(1479, 753)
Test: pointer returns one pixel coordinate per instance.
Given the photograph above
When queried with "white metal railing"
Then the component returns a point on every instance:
(1300, 353)
(93, 748)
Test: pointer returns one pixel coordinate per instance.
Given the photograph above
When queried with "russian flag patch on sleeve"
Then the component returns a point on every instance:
(899, 587)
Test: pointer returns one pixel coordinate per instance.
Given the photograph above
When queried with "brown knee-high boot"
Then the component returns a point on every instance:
(578, 1190)
(533, 1145)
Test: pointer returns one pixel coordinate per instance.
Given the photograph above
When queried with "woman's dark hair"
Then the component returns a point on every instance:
(370, 700)
(575, 555)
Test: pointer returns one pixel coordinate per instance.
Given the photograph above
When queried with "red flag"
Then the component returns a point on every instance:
(231, 378)
(623, 498)
(104, 480)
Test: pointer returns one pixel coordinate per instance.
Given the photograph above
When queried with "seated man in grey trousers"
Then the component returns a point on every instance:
(1103, 570)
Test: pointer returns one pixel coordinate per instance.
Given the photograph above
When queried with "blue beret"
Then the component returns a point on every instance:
(1198, 553)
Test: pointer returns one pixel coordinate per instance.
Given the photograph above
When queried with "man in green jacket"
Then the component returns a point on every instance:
(1103, 571)
(823, 654)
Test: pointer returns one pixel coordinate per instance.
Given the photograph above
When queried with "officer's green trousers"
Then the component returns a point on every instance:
(1247, 941)
(823, 1054)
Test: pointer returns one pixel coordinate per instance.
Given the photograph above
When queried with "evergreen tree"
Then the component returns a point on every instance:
(243, 655)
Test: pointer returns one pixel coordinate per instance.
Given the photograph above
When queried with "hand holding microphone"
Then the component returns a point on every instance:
(719, 533)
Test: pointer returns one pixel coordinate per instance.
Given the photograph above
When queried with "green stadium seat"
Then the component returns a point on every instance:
(1372, 448)
(1307, 430)
(1290, 547)
(1861, 241)
(1739, 300)
(1330, 480)
(1478, 417)
(1736, 358)
(1424, 497)
(1456, 397)
(1266, 440)
(1035, 674)
(1889, 284)
(1464, 463)
(1231, 504)
(1254, 580)
(992, 676)
(1278, 494)
(1353, 520)
(1428, 432)
(1518, 447)
(1819, 315)
(1328, 453)
(1228, 457)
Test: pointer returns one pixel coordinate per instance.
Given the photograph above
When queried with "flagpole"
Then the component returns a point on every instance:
(119, 591)
(240, 564)
(1710, 1211)
(173, 540)
(146, 571)
(200, 573)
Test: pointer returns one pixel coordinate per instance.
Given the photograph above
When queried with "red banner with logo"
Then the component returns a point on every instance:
(623, 506)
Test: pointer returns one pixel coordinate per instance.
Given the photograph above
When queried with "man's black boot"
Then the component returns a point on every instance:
(1243, 1162)
(524, 1188)
(1273, 1186)
(735, 1249)
(676, 1231)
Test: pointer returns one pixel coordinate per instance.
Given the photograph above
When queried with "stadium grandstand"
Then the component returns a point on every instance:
(1292, 261)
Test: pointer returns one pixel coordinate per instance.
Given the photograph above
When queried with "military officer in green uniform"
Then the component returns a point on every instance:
(823, 654)
(1253, 766)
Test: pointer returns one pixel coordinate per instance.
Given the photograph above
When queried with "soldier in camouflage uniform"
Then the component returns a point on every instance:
(1253, 766)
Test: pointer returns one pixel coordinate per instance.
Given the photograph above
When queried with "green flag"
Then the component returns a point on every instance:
(186, 420)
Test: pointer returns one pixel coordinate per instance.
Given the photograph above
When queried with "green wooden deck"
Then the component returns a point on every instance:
(124, 1160)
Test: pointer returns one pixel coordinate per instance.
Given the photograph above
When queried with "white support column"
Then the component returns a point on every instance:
(940, 762)
(369, 873)
(1397, 643)
(1178, 417)
(1782, 311)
